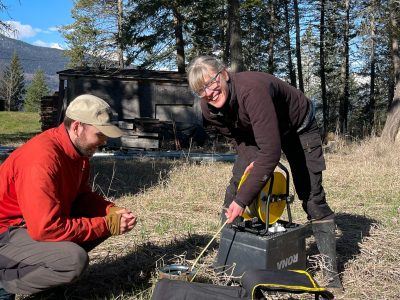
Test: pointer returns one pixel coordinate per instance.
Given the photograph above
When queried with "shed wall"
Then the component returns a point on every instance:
(131, 99)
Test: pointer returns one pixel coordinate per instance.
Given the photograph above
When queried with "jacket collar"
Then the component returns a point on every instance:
(66, 143)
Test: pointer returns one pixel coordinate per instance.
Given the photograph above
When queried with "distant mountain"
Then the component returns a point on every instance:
(50, 60)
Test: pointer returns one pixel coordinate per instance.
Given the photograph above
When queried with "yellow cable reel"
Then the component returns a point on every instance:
(258, 207)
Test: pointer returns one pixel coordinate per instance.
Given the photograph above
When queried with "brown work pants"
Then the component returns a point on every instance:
(28, 266)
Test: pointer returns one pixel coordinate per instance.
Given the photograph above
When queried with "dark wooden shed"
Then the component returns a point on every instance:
(147, 104)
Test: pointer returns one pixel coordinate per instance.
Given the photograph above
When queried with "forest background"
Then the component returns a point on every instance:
(342, 54)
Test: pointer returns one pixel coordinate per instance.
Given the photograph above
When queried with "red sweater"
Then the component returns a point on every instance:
(45, 183)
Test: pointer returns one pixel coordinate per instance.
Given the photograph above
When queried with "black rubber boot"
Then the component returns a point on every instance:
(324, 233)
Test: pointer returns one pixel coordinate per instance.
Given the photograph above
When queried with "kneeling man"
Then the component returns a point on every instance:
(49, 216)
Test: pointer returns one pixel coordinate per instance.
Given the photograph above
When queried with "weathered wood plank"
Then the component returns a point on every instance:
(138, 142)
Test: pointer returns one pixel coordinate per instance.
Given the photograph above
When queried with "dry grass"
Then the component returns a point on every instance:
(178, 205)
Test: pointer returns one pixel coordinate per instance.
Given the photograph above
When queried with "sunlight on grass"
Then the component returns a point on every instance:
(18, 127)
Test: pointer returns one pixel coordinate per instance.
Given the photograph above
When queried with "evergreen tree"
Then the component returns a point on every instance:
(255, 33)
(208, 30)
(283, 21)
(35, 91)
(342, 50)
(309, 57)
(321, 52)
(95, 37)
(155, 33)
(12, 85)
(374, 66)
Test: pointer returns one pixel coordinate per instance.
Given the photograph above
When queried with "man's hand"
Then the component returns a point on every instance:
(120, 220)
(128, 221)
(234, 210)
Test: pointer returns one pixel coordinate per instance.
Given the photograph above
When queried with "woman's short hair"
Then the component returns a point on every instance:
(199, 68)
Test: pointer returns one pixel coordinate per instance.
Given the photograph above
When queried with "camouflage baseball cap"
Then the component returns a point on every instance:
(93, 110)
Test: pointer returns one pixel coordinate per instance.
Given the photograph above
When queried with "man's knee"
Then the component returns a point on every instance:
(79, 261)
(71, 261)
(61, 263)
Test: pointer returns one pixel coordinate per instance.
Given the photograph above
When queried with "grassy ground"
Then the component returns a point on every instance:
(17, 127)
(178, 205)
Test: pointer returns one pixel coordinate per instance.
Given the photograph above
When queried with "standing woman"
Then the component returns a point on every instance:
(264, 115)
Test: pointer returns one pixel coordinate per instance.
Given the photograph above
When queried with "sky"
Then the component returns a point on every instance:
(36, 21)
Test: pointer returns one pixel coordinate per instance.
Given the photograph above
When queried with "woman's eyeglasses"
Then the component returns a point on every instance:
(211, 85)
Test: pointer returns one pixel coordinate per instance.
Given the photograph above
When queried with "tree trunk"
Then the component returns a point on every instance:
(120, 44)
(345, 74)
(371, 104)
(325, 111)
(392, 125)
(180, 47)
(292, 73)
(394, 47)
(391, 130)
(271, 45)
(235, 42)
(298, 46)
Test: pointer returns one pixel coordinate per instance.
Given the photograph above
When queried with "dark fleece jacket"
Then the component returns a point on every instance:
(260, 110)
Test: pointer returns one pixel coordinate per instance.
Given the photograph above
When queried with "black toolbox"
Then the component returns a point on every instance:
(241, 250)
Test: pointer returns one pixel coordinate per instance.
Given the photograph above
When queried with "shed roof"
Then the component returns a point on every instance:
(124, 74)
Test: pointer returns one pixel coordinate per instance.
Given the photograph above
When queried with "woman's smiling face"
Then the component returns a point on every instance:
(215, 90)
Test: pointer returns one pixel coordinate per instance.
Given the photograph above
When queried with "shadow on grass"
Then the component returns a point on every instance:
(117, 178)
(354, 228)
(127, 276)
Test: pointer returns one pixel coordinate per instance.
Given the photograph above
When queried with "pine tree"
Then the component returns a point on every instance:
(254, 34)
(158, 27)
(95, 37)
(35, 91)
(12, 85)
